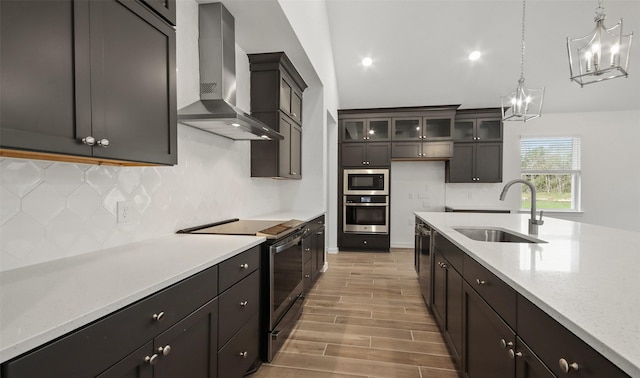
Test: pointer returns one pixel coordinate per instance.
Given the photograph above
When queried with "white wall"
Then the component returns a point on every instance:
(610, 158)
(415, 186)
(52, 210)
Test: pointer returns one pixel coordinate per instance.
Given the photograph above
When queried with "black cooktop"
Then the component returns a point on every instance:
(271, 229)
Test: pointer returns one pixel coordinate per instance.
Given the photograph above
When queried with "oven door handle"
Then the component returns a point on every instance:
(279, 248)
(367, 204)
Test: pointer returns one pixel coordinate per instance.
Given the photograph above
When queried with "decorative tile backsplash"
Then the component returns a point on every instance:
(52, 210)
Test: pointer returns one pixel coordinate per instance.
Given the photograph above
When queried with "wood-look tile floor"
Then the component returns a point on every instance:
(364, 318)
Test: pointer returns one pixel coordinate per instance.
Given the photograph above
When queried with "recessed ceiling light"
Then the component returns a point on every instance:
(475, 55)
(367, 61)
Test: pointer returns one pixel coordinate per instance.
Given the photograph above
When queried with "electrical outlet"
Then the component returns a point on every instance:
(124, 211)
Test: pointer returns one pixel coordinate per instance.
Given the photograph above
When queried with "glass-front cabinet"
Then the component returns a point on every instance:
(422, 128)
(366, 129)
(477, 130)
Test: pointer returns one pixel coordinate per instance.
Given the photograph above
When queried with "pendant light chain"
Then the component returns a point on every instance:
(522, 54)
(599, 12)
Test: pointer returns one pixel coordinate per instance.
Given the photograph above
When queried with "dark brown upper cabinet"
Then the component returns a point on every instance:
(366, 130)
(164, 8)
(425, 129)
(276, 100)
(477, 151)
(90, 81)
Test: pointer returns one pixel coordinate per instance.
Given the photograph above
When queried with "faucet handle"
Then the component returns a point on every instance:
(540, 221)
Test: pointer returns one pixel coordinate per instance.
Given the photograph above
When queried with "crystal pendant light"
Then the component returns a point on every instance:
(522, 104)
(600, 55)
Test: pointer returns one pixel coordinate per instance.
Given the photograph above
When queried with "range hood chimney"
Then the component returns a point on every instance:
(216, 112)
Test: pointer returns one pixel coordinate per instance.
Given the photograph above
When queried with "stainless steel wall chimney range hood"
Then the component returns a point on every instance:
(216, 111)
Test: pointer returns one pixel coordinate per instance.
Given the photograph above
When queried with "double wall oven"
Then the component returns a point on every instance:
(281, 274)
(365, 208)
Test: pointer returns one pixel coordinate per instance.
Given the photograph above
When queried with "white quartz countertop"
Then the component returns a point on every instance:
(586, 277)
(41, 302)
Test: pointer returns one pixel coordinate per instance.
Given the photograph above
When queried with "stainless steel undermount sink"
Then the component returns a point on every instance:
(496, 235)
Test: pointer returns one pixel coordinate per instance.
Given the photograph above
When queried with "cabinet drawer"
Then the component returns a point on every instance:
(449, 251)
(552, 342)
(106, 341)
(235, 358)
(492, 289)
(237, 305)
(238, 267)
(361, 242)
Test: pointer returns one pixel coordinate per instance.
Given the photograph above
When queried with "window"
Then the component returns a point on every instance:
(553, 166)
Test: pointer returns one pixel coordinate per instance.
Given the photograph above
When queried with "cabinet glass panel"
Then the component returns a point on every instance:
(437, 128)
(285, 96)
(378, 129)
(463, 130)
(353, 129)
(406, 128)
(489, 129)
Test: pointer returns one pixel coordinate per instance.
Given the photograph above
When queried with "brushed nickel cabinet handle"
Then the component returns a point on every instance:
(244, 303)
(244, 266)
(244, 354)
(504, 343)
(480, 282)
(566, 367)
(103, 142)
(89, 140)
(165, 350)
(151, 360)
(158, 317)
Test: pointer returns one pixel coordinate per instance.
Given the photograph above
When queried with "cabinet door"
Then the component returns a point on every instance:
(528, 365)
(289, 164)
(464, 130)
(319, 251)
(45, 76)
(406, 150)
(488, 162)
(353, 154)
(454, 311)
(378, 154)
(437, 149)
(378, 129)
(286, 90)
(484, 355)
(296, 151)
(188, 349)
(407, 128)
(439, 285)
(133, 90)
(353, 130)
(437, 128)
(489, 129)
(296, 105)
(135, 365)
(460, 167)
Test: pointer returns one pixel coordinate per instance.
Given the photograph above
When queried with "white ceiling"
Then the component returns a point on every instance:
(420, 50)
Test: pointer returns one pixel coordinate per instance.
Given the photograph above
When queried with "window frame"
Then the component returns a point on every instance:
(576, 174)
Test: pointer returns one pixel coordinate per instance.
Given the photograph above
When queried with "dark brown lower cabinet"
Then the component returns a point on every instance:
(493, 331)
(313, 246)
(488, 339)
(447, 303)
(183, 350)
(528, 365)
(185, 330)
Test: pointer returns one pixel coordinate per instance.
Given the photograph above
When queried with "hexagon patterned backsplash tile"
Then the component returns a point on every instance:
(54, 210)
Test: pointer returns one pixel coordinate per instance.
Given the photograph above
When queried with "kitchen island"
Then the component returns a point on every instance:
(585, 277)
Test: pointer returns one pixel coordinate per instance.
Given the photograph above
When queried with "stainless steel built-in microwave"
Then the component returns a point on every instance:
(366, 182)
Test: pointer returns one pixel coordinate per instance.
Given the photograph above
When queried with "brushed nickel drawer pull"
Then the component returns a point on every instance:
(566, 367)
(158, 317)
(244, 266)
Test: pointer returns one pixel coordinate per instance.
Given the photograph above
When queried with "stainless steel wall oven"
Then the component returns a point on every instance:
(366, 214)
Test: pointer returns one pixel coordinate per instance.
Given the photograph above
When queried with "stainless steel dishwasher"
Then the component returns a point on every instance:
(424, 261)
